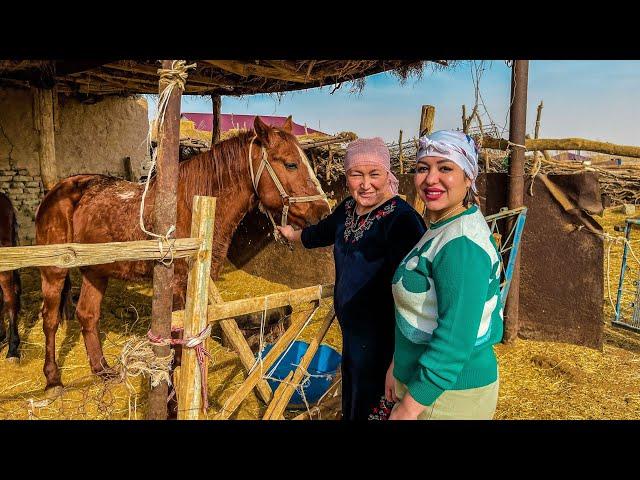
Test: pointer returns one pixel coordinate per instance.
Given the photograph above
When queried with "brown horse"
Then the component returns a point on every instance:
(9, 281)
(97, 209)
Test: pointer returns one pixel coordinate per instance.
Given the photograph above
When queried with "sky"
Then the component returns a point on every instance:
(595, 99)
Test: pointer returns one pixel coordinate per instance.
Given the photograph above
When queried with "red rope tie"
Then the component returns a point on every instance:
(196, 342)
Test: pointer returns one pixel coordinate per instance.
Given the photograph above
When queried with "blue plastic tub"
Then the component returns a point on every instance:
(325, 362)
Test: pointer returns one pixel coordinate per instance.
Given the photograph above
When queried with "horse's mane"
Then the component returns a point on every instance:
(225, 163)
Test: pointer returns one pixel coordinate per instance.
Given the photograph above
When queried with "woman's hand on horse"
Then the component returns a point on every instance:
(289, 233)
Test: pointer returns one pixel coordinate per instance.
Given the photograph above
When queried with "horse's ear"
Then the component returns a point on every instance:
(262, 130)
(288, 125)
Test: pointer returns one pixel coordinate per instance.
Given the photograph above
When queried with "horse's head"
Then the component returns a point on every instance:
(277, 158)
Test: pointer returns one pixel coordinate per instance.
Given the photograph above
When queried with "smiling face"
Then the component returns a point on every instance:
(368, 185)
(441, 184)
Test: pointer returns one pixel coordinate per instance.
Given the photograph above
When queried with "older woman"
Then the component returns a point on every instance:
(371, 231)
(447, 295)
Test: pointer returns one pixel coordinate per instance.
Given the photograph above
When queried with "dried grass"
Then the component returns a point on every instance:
(539, 380)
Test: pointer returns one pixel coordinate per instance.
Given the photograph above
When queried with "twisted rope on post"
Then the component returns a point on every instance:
(175, 77)
(196, 342)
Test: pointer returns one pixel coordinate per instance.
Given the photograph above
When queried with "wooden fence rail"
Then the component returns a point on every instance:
(69, 255)
(235, 308)
(566, 144)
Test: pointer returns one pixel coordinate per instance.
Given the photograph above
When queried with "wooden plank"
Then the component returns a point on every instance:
(281, 388)
(216, 105)
(164, 216)
(245, 69)
(69, 255)
(427, 119)
(239, 344)
(47, 144)
(323, 409)
(274, 300)
(517, 131)
(195, 317)
(566, 144)
(298, 319)
(282, 396)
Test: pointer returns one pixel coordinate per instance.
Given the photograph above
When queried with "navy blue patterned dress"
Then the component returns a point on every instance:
(367, 249)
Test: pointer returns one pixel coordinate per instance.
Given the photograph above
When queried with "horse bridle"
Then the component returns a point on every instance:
(286, 198)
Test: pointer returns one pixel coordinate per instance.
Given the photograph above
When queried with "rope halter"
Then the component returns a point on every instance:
(287, 200)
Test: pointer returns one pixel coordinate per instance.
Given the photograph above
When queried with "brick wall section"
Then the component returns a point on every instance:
(25, 191)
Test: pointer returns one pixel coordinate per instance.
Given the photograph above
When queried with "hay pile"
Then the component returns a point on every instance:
(539, 380)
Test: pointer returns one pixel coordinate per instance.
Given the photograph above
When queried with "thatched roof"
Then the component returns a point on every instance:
(221, 77)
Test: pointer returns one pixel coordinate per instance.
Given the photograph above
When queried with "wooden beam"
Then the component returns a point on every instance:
(239, 344)
(194, 78)
(235, 308)
(216, 105)
(46, 128)
(566, 144)
(164, 216)
(282, 396)
(298, 319)
(195, 319)
(245, 69)
(323, 409)
(70, 255)
(427, 119)
(517, 130)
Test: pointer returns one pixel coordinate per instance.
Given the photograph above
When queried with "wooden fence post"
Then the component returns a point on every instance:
(427, 119)
(195, 312)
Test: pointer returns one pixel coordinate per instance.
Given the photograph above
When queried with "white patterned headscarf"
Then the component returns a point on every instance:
(455, 146)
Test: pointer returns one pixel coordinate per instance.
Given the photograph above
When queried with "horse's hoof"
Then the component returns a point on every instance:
(14, 360)
(53, 392)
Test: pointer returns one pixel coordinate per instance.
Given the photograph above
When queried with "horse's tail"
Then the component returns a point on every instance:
(67, 309)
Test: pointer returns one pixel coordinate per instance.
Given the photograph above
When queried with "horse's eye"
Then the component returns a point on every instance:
(291, 166)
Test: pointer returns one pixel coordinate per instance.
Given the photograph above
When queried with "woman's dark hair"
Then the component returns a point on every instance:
(470, 198)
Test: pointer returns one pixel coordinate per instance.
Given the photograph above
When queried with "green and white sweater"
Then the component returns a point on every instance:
(448, 309)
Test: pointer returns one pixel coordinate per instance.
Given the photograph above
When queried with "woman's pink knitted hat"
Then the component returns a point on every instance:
(370, 151)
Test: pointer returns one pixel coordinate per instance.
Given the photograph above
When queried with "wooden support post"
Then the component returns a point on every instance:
(44, 121)
(164, 216)
(239, 344)
(282, 396)
(195, 311)
(517, 128)
(400, 159)
(215, 131)
(327, 172)
(464, 119)
(278, 394)
(427, 119)
(298, 319)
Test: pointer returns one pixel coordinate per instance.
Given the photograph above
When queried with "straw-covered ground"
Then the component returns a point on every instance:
(539, 380)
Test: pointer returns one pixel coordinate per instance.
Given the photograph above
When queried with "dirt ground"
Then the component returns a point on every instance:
(539, 380)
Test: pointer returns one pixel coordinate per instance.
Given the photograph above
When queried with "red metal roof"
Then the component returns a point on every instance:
(229, 121)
